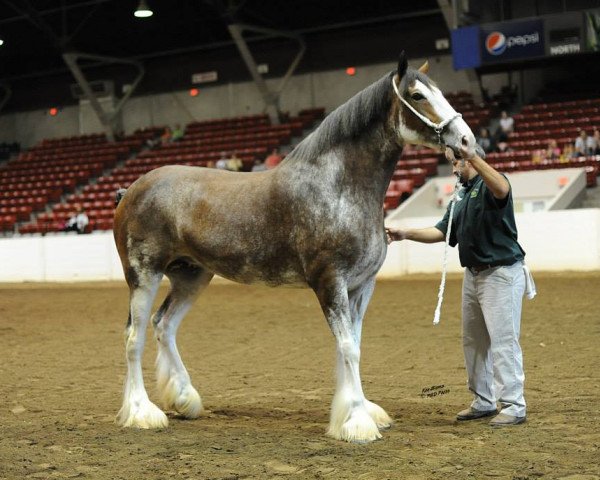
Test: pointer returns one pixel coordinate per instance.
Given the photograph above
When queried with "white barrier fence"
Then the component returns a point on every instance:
(553, 241)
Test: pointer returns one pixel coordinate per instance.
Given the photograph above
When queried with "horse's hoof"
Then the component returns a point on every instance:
(364, 442)
(379, 415)
(359, 428)
(143, 414)
(186, 401)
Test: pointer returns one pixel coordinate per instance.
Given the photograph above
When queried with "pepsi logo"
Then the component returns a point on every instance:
(495, 43)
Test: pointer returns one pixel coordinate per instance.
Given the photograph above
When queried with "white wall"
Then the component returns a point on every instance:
(327, 89)
(554, 241)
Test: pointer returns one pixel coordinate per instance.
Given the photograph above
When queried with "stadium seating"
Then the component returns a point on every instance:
(251, 137)
(57, 167)
(537, 124)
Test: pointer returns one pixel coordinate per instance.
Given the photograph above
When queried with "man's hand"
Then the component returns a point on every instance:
(395, 234)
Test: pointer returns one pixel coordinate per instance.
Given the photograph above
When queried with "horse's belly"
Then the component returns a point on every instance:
(247, 272)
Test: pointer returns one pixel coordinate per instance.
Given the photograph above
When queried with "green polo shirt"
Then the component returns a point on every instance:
(483, 227)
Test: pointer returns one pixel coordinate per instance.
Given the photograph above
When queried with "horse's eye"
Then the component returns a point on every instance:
(417, 96)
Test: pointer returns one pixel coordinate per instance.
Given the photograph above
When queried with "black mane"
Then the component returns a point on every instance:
(350, 119)
(357, 115)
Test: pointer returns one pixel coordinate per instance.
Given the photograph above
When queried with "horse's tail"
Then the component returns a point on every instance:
(119, 195)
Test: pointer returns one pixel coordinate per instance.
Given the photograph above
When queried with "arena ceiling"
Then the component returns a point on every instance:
(37, 32)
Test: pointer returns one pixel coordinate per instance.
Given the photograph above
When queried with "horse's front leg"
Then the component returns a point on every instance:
(359, 299)
(350, 420)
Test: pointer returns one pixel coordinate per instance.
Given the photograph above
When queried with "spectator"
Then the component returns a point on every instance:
(591, 144)
(507, 124)
(538, 156)
(177, 133)
(77, 222)
(222, 162)
(568, 154)
(273, 159)
(166, 135)
(485, 141)
(552, 151)
(503, 147)
(259, 166)
(582, 144)
(597, 139)
(234, 164)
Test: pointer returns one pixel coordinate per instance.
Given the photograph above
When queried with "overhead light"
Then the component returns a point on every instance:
(143, 11)
(1, 42)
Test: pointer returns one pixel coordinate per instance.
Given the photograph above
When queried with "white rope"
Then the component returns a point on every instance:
(438, 309)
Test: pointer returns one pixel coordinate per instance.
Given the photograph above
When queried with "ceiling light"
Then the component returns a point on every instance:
(1, 42)
(143, 11)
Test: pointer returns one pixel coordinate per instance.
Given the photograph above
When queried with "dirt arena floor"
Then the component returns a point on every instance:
(263, 361)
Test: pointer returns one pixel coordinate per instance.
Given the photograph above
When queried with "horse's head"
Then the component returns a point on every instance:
(425, 116)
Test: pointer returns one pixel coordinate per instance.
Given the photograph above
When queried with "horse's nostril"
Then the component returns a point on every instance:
(465, 141)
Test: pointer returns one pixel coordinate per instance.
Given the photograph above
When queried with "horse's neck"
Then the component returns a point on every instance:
(363, 164)
(371, 164)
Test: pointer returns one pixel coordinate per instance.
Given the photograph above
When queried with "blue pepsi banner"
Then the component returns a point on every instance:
(505, 41)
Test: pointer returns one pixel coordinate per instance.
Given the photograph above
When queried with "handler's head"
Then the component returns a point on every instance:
(461, 168)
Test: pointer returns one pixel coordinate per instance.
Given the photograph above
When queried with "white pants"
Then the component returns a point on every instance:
(491, 311)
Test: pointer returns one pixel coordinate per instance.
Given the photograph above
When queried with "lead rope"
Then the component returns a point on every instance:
(438, 309)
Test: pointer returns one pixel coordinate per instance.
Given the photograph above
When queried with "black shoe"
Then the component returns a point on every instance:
(472, 414)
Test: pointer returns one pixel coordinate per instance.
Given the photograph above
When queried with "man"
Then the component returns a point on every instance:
(273, 159)
(507, 124)
(494, 283)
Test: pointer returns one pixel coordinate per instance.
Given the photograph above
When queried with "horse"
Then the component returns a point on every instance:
(315, 221)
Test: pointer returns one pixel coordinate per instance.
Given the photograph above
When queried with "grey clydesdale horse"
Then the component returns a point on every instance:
(315, 221)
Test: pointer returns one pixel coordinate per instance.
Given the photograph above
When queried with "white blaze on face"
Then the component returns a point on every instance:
(452, 134)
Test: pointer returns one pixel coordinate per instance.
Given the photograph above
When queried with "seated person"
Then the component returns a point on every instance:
(552, 150)
(177, 133)
(596, 137)
(485, 141)
(503, 147)
(165, 137)
(273, 159)
(77, 222)
(222, 162)
(581, 144)
(507, 124)
(568, 154)
(259, 166)
(538, 156)
(234, 164)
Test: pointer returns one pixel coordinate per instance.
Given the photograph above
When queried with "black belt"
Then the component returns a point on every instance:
(480, 268)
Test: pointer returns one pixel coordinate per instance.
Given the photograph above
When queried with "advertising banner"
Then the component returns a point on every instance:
(506, 41)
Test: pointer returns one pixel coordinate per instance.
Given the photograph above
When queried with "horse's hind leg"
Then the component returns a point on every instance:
(359, 300)
(138, 410)
(350, 420)
(173, 381)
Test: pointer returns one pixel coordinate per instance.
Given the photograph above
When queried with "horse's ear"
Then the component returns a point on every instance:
(402, 64)
(424, 68)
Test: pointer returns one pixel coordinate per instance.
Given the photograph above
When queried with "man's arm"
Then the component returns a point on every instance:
(422, 235)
